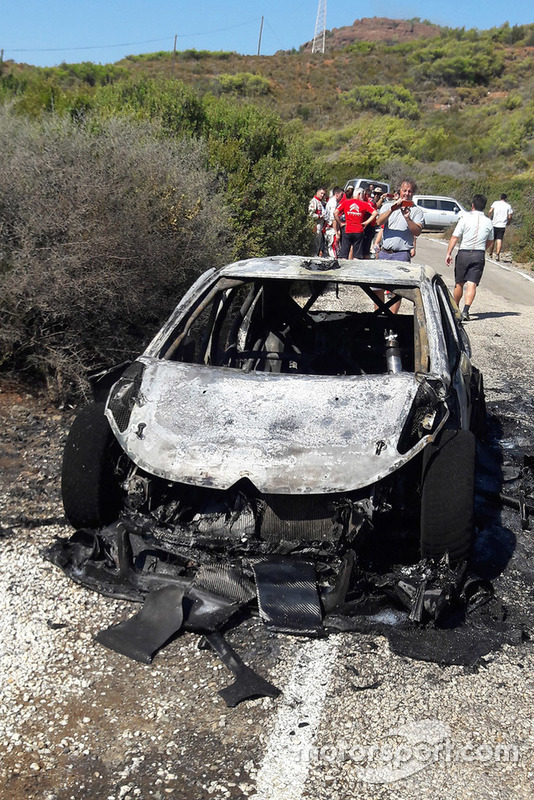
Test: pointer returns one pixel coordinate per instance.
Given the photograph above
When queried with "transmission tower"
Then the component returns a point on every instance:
(320, 28)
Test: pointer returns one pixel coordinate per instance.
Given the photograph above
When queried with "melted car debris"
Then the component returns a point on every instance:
(430, 610)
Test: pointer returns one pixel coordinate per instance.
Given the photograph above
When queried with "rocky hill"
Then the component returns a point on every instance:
(377, 29)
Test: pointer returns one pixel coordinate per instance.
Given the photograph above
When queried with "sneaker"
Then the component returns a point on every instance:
(465, 315)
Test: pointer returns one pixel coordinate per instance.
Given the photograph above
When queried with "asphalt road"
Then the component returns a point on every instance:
(500, 278)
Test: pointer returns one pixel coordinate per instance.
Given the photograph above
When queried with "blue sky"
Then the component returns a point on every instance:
(47, 32)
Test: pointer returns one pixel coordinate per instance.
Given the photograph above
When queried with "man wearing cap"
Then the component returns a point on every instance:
(378, 196)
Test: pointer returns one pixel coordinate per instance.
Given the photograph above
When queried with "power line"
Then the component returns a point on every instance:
(123, 44)
(88, 47)
(275, 33)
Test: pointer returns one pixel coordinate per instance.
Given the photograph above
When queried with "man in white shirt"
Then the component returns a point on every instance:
(501, 214)
(476, 233)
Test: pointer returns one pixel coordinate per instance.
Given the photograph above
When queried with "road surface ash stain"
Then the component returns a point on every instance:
(287, 425)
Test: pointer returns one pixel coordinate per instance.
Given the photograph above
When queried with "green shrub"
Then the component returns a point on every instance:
(92, 74)
(244, 84)
(394, 100)
(361, 48)
(201, 55)
(272, 216)
(513, 101)
(102, 231)
(170, 102)
(161, 55)
(457, 63)
(256, 132)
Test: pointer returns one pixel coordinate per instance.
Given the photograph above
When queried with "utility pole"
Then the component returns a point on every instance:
(174, 54)
(320, 28)
(261, 31)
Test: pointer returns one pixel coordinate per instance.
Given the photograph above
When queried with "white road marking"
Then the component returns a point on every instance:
(511, 269)
(495, 263)
(286, 763)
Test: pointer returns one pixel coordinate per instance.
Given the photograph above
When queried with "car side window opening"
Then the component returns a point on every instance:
(461, 336)
(454, 342)
(313, 327)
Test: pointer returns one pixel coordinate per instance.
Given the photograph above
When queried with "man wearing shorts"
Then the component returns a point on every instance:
(476, 233)
(501, 214)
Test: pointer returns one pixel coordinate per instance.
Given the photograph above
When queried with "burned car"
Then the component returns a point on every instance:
(281, 411)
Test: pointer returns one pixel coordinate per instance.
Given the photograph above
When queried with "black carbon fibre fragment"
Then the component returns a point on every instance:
(288, 599)
(143, 634)
(247, 684)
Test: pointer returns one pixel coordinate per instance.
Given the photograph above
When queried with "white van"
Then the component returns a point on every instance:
(439, 212)
(364, 183)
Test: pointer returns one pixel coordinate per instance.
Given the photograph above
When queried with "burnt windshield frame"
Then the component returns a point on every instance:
(295, 326)
(181, 331)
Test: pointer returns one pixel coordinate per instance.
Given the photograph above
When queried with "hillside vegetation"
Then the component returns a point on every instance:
(161, 165)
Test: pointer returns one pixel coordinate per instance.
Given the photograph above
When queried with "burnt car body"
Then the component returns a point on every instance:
(281, 411)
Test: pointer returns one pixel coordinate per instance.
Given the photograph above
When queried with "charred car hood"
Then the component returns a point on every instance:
(212, 427)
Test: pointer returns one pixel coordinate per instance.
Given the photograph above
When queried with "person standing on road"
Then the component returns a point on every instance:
(403, 222)
(330, 235)
(316, 208)
(369, 233)
(476, 233)
(358, 215)
(340, 221)
(501, 214)
(378, 198)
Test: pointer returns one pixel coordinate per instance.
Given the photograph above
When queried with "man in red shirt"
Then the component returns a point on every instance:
(358, 215)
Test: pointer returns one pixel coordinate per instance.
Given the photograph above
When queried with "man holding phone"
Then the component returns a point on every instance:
(403, 222)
